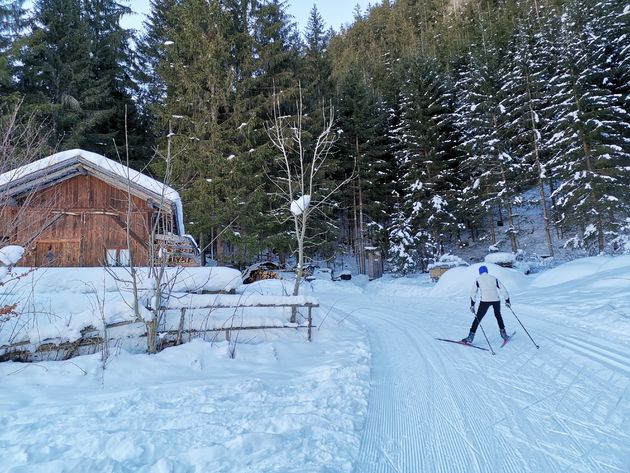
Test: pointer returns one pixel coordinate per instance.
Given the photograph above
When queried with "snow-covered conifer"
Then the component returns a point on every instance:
(590, 144)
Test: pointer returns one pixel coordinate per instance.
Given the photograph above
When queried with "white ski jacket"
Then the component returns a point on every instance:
(489, 287)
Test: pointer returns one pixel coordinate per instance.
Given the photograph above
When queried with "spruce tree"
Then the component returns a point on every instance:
(315, 67)
(269, 68)
(195, 106)
(590, 134)
(110, 85)
(152, 47)
(525, 98)
(11, 23)
(363, 147)
(55, 68)
(74, 71)
(490, 165)
(427, 181)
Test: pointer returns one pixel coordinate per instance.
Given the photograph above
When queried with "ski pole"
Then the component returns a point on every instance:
(484, 333)
(519, 321)
(486, 337)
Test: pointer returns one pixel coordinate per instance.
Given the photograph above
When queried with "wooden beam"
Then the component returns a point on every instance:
(237, 306)
(133, 234)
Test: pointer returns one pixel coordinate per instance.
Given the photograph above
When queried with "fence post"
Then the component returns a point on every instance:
(310, 321)
(180, 329)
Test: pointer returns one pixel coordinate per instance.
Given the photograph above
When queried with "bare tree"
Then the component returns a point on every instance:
(301, 167)
(23, 139)
(159, 280)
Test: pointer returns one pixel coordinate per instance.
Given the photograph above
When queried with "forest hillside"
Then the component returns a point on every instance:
(450, 118)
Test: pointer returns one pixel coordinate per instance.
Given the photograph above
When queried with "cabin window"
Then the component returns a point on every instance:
(162, 223)
(123, 257)
(117, 257)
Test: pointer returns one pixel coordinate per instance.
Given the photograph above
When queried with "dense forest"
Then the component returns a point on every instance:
(446, 113)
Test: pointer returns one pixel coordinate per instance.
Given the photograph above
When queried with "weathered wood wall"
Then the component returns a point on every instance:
(74, 222)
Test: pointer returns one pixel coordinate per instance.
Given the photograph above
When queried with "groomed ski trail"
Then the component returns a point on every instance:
(434, 407)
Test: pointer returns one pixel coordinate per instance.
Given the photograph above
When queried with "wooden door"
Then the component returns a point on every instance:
(58, 253)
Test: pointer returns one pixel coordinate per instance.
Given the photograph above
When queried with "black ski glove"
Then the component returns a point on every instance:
(507, 303)
(472, 306)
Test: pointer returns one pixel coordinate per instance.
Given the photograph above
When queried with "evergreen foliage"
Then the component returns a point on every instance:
(446, 112)
(591, 130)
(74, 71)
(11, 24)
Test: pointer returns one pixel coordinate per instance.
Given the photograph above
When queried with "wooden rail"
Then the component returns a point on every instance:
(92, 339)
(308, 305)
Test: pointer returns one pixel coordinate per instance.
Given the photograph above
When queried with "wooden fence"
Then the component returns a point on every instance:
(132, 334)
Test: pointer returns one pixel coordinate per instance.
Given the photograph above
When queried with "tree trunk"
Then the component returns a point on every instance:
(599, 224)
(540, 169)
(508, 207)
(361, 253)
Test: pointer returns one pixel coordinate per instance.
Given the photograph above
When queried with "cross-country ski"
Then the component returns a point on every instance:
(459, 342)
(506, 340)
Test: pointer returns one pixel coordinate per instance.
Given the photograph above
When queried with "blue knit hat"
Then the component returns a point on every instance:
(483, 269)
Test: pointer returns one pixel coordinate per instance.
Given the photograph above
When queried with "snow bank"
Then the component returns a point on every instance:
(410, 286)
(317, 286)
(11, 254)
(459, 281)
(59, 304)
(580, 269)
(501, 257)
(286, 405)
(115, 279)
(448, 261)
(210, 279)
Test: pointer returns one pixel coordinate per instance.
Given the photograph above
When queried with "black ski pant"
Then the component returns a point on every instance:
(481, 311)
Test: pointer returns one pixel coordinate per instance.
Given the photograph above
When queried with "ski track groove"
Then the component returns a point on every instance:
(611, 358)
(441, 409)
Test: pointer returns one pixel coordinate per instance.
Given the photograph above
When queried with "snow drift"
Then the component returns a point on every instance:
(457, 282)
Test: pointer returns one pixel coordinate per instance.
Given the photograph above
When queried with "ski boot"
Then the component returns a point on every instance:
(504, 335)
(469, 339)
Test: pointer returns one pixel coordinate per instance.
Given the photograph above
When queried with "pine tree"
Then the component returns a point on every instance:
(525, 99)
(195, 105)
(490, 166)
(152, 49)
(271, 66)
(110, 85)
(590, 135)
(55, 68)
(217, 103)
(363, 148)
(315, 67)
(74, 71)
(11, 23)
(611, 22)
(428, 191)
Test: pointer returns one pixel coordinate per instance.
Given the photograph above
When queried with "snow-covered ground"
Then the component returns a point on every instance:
(373, 392)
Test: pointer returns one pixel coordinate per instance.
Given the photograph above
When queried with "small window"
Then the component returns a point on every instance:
(117, 257)
(123, 257)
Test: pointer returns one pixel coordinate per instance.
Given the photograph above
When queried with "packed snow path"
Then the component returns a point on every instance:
(373, 392)
(440, 407)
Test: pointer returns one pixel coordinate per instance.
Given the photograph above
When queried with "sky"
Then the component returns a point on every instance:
(334, 12)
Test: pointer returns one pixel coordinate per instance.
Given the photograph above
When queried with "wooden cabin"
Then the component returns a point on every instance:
(77, 208)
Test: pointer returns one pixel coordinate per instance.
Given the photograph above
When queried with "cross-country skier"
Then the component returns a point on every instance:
(489, 288)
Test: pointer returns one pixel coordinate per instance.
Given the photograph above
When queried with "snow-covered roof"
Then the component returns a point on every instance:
(52, 168)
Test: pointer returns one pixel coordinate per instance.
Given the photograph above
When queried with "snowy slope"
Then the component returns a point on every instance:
(374, 391)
